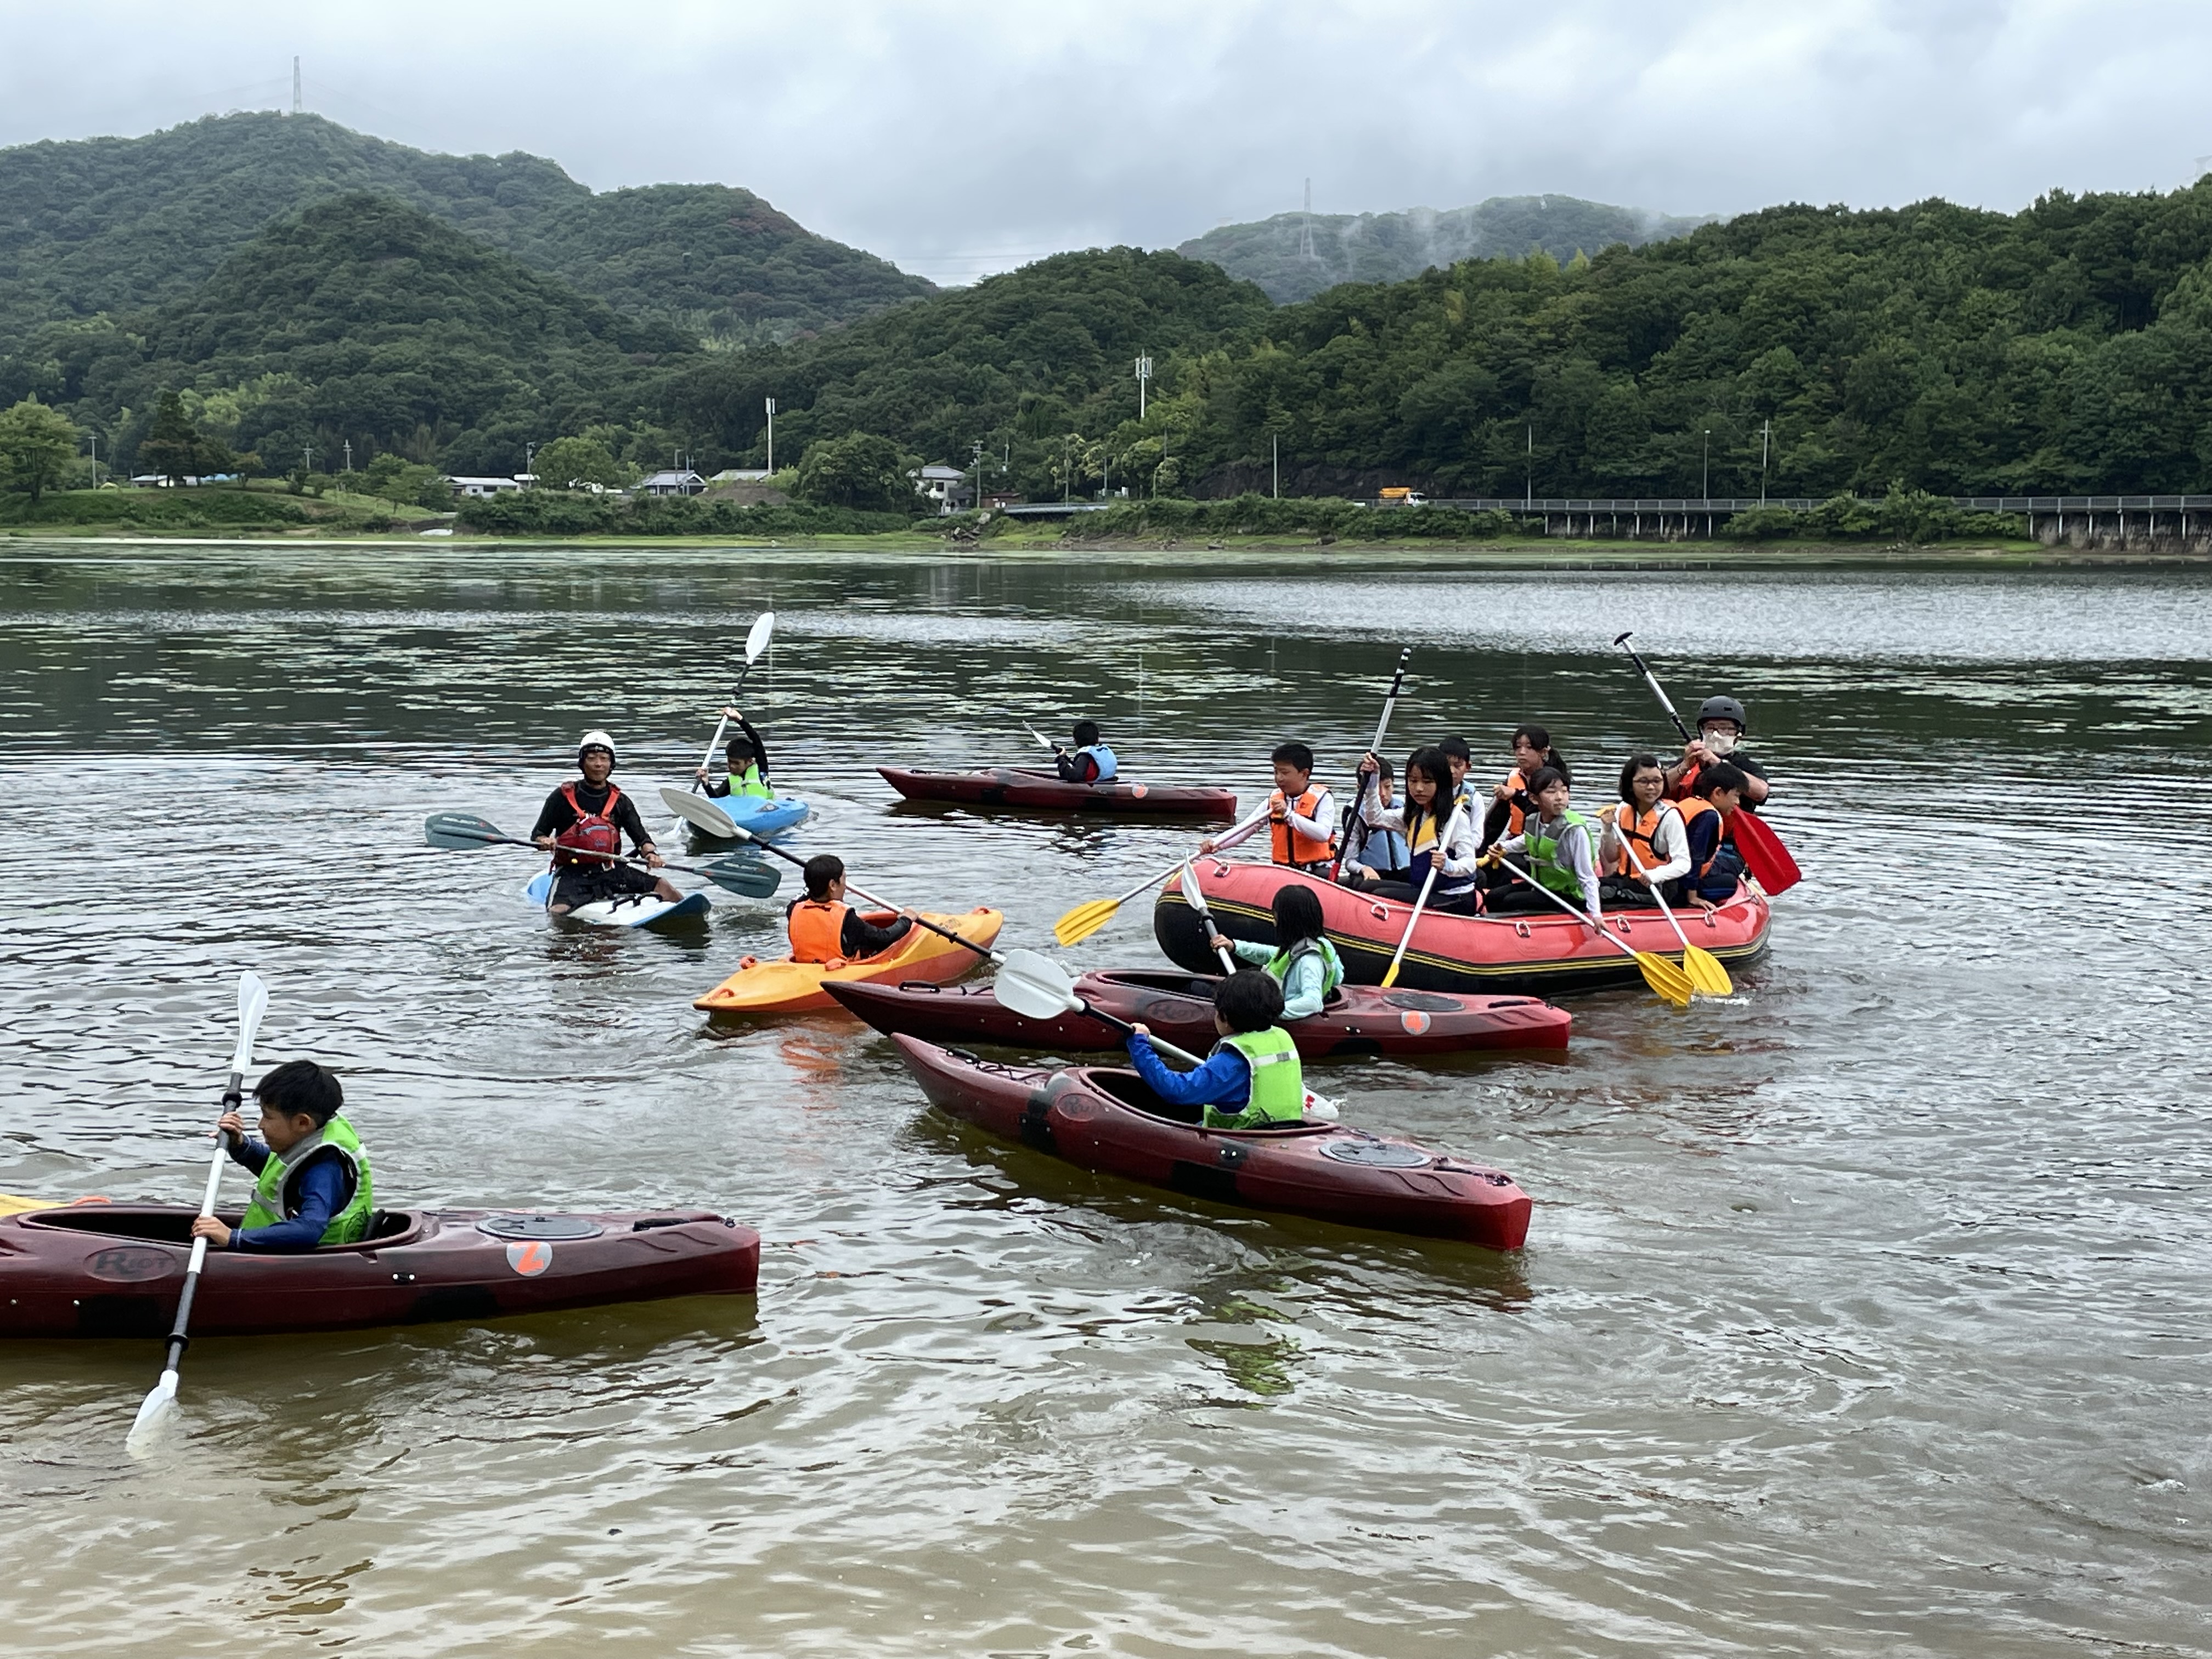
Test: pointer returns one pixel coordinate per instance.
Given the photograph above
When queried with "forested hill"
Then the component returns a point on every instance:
(1389, 247)
(120, 225)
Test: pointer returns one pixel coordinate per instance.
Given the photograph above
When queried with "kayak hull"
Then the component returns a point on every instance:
(631, 910)
(784, 987)
(756, 817)
(116, 1270)
(1179, 1008)
(1088, 1116)
(1046, 791)
(1538, 955)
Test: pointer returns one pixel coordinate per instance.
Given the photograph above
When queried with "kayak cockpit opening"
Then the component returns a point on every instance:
(173, 1224)
(1131, 1090)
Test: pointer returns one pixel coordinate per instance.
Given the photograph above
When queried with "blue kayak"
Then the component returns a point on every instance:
(631, 910)
(757, 816)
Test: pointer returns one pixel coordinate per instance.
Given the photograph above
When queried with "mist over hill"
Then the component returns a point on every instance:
(1389, 247)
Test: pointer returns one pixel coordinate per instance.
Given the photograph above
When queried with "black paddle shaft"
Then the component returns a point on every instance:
(1345, 848)
(1652, 680)
(181, 1329)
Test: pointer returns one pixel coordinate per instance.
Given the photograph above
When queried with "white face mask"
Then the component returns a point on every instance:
(1719, 742)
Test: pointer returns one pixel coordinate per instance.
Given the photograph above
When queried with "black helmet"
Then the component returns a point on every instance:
(1723, 709)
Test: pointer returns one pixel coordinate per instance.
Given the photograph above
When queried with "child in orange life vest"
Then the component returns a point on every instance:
(825, 929)
(1301, 817)
(1648, 823)
(1715, 866)
(591, 815)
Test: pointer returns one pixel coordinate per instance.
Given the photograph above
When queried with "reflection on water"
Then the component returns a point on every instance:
(1862, 1313)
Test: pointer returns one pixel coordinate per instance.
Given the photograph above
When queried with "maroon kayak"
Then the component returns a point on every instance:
(1361, 1019)
(1108, 1120)
(115, 1269)
(1017, 786)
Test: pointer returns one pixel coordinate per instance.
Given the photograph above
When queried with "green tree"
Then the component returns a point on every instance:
(569, 461)
(172, 445)
(860, 470)
(36, 443)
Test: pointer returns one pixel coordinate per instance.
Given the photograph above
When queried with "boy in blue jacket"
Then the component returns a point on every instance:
(312, 1185)
(1252, 1080)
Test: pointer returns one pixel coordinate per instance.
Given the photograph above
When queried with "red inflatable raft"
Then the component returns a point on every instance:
(1021, 787)
(1107, 1119)
(115, 1270)
(1179, 1007)
(1540, 954)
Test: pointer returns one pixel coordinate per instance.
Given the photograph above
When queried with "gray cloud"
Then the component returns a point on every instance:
(958, 138)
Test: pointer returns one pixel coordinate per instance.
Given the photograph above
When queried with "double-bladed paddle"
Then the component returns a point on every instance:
(711, 818)
(1085, 920)
(1195, 898)
(736, 872)
(161, 1401)
(757, 641)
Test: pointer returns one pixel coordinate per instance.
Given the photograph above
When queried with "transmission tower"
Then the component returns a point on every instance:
(295, 85)
(1305, 233)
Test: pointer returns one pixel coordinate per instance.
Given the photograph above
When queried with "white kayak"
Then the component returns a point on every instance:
(631, 910)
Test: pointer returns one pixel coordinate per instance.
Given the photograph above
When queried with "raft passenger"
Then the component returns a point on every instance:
(1423, 820)
(1375, 854)
(1715, 865)
(1463, 761)
(1651, 825)
(1301, 815)
(1091, 760)
(1511, 799)
(582, 824)
(312, 1187)
(1302, 960)
(1722, 723)
(825, 929)
(1252, 1080)
(1559, 846)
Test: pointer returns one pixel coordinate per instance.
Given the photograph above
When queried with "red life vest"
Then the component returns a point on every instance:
(592, 832)
(817, 931)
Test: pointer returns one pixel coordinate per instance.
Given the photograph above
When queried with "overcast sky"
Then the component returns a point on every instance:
(960, 138)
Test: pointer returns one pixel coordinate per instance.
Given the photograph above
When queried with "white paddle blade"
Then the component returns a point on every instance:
(253, 1003)
(1035, 987)
(155, 1410)
(703, 815)
(756, 642)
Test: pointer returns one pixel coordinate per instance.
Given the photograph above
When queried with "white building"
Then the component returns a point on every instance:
(685, 483)
(481, 489)
(946, 486)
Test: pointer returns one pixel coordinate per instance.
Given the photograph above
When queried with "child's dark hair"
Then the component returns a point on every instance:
(1722, 775)
(1086, 733)
(1544, 777)
(1435, 765)
(740, 748)
(1636, 763)
(300, 1088)
(1540, 741)
(1248, 1000)
(1457, 748)
(821, 869)
(1294, 754)
(1297, 914)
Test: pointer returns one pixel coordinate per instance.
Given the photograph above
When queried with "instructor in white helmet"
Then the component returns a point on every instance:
(591, 815)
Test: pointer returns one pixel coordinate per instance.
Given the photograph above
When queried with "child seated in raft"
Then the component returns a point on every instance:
(747, 775)
(1463, 761)
(1715, 865)
(1509, 800)
(1252, 1080)
(1559, 846)
(1301, 815)
(1376, 854)
(1648, 825)
(1089, 761)
(1302, 960)
(825, 929)
(313, 1186)
(1423, 820)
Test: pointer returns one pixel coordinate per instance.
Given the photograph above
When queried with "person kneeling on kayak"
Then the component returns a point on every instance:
(313, 1187)
(747, 776)
(1089, 761)
(588, 816)
(1301, 961)
(1252, 1080)
(1715, 865)
(825, 929)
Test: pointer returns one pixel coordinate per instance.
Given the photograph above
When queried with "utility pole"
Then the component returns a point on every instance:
(1305, 231)
(975, 453)
(1144, 373)
(349, 449)
(295, 85)
(307, 457)
(1067, 468)
(771, 434)
(95, 460)
(1275, 450)
(1705, 490)
(1765, 444)
(1528, 484)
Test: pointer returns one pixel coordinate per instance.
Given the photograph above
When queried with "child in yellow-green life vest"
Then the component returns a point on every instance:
(747, 758)
(312, 1182)
(1559, 847)
(1302, 960)
(1252, 1080)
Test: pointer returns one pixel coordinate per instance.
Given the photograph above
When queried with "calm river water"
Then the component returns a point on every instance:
(1866, 1313)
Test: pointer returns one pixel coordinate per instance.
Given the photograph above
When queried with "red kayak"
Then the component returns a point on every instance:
(115, 1269)
(1540, 954)
(1179, 1007)
(1018, 786)
(1108, 1120)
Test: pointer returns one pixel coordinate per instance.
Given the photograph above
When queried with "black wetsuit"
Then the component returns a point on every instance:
(593, 879)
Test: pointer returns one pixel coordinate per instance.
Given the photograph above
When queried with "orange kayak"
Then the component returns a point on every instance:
(784, 987)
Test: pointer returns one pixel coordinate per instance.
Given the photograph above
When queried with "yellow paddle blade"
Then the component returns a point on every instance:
(11, 1204)
(1707, 976)
(1084, 920)
(1665, 978)
(1390, 976)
